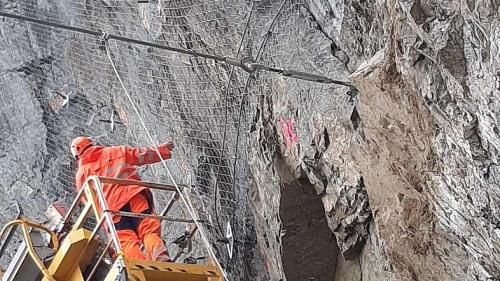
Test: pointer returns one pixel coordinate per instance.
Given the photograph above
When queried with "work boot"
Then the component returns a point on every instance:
(161, 254)
(164, 258)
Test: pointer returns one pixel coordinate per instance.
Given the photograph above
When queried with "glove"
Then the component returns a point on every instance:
(169, 145)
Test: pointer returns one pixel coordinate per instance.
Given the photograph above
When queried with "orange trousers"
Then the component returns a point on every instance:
(135, 232)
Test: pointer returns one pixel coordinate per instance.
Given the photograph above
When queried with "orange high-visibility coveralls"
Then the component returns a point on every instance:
(121, 162)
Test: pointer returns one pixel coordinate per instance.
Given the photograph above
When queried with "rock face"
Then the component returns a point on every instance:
(394, 179)
(419, 142)
(427, 161)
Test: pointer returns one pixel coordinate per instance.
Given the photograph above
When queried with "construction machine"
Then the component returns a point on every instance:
(81, 244)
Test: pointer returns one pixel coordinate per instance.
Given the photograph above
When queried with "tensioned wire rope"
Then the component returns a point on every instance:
(246, 64)
(191, 211)
(226, 116)
(105, 38)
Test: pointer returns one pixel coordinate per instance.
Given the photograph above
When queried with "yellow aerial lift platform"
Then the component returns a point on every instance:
(85, 247)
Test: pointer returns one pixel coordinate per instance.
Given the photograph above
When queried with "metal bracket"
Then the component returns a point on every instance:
(65, 98)
(112, 122)
(230, 239)
(246, 63)
(104, 39)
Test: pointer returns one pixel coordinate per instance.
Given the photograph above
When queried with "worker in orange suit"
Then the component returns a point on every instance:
(122, 162)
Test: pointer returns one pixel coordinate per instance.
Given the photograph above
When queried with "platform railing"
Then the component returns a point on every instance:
(96, 204)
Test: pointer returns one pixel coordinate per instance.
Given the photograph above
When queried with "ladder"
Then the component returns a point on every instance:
(84, 245)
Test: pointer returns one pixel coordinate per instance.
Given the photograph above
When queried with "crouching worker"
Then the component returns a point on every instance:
(122, 162)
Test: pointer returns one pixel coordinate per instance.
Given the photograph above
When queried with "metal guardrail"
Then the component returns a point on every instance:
(95, 203)
(26, 227)
(123, 182)
(11, 231)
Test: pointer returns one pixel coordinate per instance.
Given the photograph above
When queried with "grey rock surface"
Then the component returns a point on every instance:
(427, 175)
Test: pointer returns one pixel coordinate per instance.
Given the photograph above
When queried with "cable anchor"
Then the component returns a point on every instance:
(247, 63)
(104, 40)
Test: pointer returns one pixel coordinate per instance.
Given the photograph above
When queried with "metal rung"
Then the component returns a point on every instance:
(99, 260)
(143, 216)
(124, 182)
(170, 204)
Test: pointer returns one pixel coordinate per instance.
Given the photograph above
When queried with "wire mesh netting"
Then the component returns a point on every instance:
(59, 84)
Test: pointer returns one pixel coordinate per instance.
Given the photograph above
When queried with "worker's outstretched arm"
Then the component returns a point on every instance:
(147, 155)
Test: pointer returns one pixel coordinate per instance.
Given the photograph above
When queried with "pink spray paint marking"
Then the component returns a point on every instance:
(288, 128)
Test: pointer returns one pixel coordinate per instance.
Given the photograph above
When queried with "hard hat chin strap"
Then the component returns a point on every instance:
(84, 149)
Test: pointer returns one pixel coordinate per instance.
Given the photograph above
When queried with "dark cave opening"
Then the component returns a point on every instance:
(309, 248)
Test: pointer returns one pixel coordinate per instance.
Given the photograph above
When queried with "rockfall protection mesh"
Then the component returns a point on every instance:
(205, 107)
